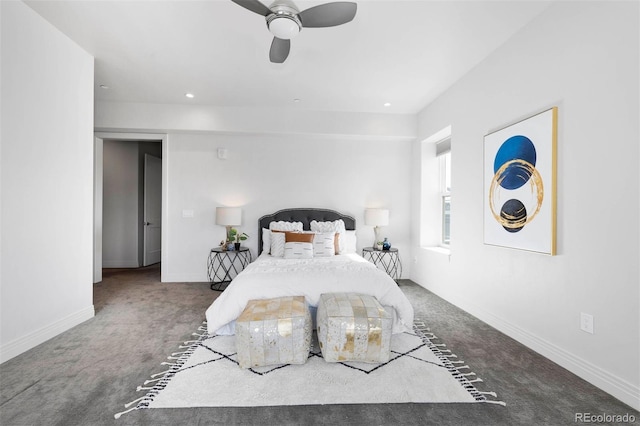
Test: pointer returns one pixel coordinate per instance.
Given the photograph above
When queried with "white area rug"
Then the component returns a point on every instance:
(207, 374)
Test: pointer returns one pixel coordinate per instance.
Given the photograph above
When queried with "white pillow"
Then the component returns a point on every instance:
(350, 241)
(266, 241)
(277, 244)
(285, 226)
(335, 226)
(324, 244)
(298, 250)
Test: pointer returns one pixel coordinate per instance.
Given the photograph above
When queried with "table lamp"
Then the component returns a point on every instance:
(228, 217)
(376, 218)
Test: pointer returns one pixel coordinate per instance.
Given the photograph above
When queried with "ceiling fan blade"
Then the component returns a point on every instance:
(254, 6)
(279, 50)
(328, 15)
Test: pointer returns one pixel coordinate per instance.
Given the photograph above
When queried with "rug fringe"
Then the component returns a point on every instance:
(117, 415)
(445, 356)
(129, 404)
(162, 381)
(139, 388)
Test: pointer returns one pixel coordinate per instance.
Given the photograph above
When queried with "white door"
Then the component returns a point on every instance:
(152, 209)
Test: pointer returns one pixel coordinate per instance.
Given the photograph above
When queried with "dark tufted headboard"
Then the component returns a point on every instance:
(305, 216)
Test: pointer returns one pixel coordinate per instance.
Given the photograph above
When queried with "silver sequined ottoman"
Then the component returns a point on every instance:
(274, 331)
(353, 327)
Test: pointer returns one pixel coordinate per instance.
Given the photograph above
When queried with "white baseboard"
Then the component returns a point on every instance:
(33, 339)
(613, 385)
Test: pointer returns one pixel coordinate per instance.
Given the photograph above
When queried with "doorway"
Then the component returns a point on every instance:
(129, 201)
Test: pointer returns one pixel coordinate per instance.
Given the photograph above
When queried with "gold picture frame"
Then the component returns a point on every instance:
(520, 169)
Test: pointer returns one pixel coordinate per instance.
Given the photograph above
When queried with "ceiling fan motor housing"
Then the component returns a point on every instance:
(284, 22)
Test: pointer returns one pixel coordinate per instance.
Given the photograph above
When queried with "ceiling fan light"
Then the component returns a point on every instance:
(284, 27)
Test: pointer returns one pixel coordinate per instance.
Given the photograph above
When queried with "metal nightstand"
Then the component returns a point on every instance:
(223, 266)
(388, 260)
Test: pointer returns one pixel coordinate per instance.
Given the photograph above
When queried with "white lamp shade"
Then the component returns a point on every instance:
(228, 216)
(376, 217)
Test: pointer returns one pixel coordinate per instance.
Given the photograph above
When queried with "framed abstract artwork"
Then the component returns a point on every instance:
(520, 184)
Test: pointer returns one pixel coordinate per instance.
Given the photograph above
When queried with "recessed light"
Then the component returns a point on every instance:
(104, 86)
(189, 95)
(296, 100)
(387, 104)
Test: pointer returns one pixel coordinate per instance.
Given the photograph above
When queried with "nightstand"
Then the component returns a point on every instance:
(223, 266)
(387, 260)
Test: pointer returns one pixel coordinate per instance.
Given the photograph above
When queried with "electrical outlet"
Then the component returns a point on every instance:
(586, 322)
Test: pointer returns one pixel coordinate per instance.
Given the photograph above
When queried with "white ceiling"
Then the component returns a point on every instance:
(402, 52)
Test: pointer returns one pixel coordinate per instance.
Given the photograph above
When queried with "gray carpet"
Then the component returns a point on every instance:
(85, 375)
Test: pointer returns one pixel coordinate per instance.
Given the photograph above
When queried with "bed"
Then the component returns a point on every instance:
(271, 276)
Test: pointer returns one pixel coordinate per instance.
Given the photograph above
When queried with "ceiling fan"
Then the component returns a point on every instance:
(285, 21)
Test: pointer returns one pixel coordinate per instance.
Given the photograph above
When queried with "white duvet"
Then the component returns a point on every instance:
(270, 277)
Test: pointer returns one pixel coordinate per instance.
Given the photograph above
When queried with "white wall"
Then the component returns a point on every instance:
(120, 204)
(582, 57)
(47, 181)
(344, 161)
(120, 116)
(266, 173)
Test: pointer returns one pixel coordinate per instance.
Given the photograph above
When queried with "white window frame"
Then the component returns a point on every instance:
(434, 191)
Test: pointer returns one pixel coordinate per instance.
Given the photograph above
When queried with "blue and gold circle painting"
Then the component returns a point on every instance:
(520, 184)
(514, 166)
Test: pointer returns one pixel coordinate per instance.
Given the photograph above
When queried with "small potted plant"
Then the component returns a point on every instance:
(379, 245)
(236, 237)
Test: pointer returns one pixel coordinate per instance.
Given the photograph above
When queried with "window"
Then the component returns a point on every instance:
(443, 151)
(435, 193)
